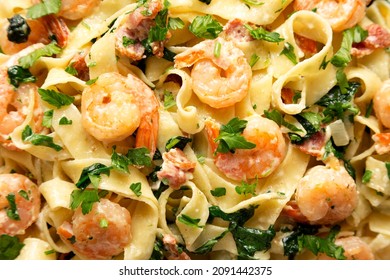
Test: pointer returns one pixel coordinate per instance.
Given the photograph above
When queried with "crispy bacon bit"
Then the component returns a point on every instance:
(176, 168)
(78, 62)
(378, 38)
(313, 146)
(287, 95)
(382, 143)
(173, 252)
(235, 30)
(308, 46)
(136, 29)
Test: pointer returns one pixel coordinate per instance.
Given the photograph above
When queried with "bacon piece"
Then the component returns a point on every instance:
(378, 38)
(313, 146)
(171, 246)
(176, 168)
(234, 30)
(308, 46)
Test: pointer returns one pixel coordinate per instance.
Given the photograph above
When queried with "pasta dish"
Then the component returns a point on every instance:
(194, 129)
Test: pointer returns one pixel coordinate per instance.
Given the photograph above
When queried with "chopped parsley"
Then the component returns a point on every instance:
(179, 142)
(18, 75)
(91, 81)
(103, 223)
(246, 188)
(46, 7)
(230, 138)
(205, 27)
(169, 100)
(47, 118)
(175, 23)
(65, 121)
(55, 98)
(38, 139)
(12, 211)
(10, 247)
(47, 50)
(218, 192)
(136, 188)
(84, 198)
(24, 194)
(277, 117)
(253, 60)
(288, 51)
(187, 220)
(366, 176)
(262, 34)
(91, 175)
(217, 49)
(253, 2)
(126, 41)
(71, 70)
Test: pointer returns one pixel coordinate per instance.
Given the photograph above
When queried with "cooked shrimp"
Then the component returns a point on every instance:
(325, 195)
(135, 28)
(340, 14)
(354, 249)
(176, 168)
(14, 102)
(382, 104)
(382, 142)
(115, 106)
(20, 203)
(219, 80)
(259, 162)
(100, 234)
(77, 9)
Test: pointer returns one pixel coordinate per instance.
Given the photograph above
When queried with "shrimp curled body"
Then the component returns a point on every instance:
(340, 14)
(259, 162)
(101, 233)
(382, 103)
(26, 197)
(115, 106)
(326, 195)
(219, 79)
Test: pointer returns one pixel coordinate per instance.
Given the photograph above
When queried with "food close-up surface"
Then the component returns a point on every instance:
(194, 130)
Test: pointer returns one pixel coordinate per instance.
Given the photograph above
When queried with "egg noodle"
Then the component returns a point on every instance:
(189, 129)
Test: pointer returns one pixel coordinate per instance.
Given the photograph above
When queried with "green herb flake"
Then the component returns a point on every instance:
(84, 198)
(177, 142)
(12, 211)
(217, 49)
(39, 140)
(187, 220)
(71, 70)
(126, 41)
(136, 188)
(246, 188)
(47, 50)
(262, 34)
(65, 121)
(90, 173)
(175, 23)
(139, 157)
(369, 109)
(205, 27)
(49, 252)
(277, 117)
(10, 247)
(46, 7)
(18, 75)
(91, 81)
(47, 118)
(120, 162)
(55, 98)
(218, 192)
(230, 138)
(201, 159)
(253, 60)
(209, 244)
(24, 194)
(387, 164)
(366, 176)
(103, 223)
(253, 2)
(288, 51)
(169, 100)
